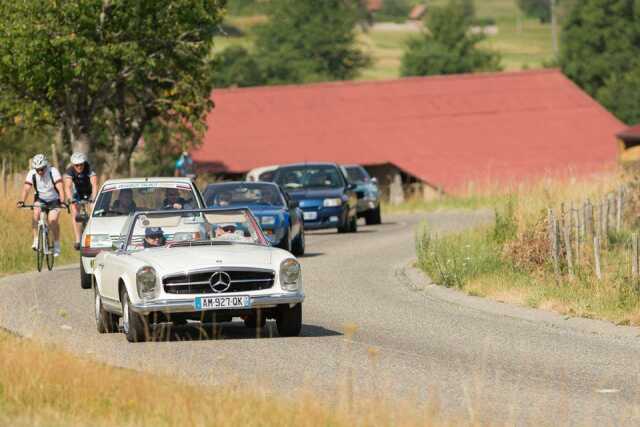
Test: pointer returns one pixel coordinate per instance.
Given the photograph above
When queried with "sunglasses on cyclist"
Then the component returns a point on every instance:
(40, 170)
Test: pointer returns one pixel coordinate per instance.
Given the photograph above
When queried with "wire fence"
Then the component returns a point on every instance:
(584, 237)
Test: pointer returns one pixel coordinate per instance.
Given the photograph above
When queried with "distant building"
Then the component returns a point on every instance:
(630, 143)
(436, 133)
(374, 5)
(418, 12)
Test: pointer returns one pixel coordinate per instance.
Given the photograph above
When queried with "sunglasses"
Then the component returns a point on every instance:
(40, 170)
(154, 237)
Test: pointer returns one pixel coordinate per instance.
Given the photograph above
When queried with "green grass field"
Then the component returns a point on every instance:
(523, 43)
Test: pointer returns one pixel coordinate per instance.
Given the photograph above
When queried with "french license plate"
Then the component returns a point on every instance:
(222, 303)
(310, 216)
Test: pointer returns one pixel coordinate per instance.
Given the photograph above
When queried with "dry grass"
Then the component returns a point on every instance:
(41, 385)
(510, 262)
(15, 234)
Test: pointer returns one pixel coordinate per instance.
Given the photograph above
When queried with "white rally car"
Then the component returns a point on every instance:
(118, 199)
(223, 270)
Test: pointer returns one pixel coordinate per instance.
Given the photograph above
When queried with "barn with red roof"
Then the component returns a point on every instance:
(443, 131)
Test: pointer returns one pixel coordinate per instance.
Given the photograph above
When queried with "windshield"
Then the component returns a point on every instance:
(194, 228)
(310, 177)
(127, 198)
(357, 174)
(233, 195)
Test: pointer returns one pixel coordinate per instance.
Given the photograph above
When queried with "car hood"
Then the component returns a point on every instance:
(108, 225)
(262, 210)
(323, 193)
(171, 260)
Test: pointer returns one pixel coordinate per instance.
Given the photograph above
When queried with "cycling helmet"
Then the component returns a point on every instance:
(78, 158)
(39, 161)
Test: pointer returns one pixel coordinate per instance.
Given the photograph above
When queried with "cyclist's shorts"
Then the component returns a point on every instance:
(52, 205)
(78, 197)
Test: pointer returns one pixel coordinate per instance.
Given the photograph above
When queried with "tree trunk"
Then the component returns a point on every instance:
(119, 161)
(80, 140)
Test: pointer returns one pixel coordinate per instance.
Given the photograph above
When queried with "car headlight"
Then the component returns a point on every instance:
(97, 241)
(146, 282)
(290, 274)
(332, 203)
(268, 220)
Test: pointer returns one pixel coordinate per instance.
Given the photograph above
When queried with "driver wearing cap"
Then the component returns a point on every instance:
(154, 237)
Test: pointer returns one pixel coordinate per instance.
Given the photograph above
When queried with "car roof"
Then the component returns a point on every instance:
(309, 164)
(225, 183)
(149, 179)
(354, 166)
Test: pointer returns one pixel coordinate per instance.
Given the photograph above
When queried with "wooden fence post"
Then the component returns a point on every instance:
(576, 224)
(567, 245)
(634, 259)
(619, 210)
(588, 218)
(605, 221)
(4, 175)
(596, 256)
(553, 239)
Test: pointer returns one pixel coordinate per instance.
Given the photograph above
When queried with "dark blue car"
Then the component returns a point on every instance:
(324, 194)
(280, 217)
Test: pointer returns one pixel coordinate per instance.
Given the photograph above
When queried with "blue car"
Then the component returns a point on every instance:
(326, 197)
(279, 216)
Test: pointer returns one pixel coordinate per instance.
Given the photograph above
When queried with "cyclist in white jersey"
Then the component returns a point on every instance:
(46, 183)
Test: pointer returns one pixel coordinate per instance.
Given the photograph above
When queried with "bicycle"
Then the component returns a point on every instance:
(83, 216)
(44, 247)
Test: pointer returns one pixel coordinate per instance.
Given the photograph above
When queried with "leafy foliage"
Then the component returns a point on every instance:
(447, 47)
(97, 67)
(310, 40)
(540, 9)
(600, 52)
(236, 66)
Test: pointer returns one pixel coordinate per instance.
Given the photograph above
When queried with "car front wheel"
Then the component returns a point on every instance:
(85, 278)
(106, 323)
(289, 320)
(135, 326)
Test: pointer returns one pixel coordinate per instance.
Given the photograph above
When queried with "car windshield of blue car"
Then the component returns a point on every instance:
(310, 177)
(357, 175)
(127, 198)
(236, 195)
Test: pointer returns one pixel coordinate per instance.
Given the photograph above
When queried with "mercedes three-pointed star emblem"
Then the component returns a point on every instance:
(219, 282)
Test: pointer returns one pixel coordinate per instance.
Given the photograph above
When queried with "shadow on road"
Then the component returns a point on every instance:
(312, 254)
(229, 330)
(333, 232)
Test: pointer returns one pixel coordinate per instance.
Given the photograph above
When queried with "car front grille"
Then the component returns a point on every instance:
(197, 282)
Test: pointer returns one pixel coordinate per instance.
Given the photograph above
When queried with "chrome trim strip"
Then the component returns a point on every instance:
(187, 305)
(176, 285)
(112, 305)
(214, 269)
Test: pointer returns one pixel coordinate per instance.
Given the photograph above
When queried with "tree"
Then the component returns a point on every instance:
(621, 95)
(601, 48)
(447, 46)
(540, 9)
(310, 40)
(235, 66)
(108, 67)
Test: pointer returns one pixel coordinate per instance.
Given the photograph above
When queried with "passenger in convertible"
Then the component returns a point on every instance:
(154, 237)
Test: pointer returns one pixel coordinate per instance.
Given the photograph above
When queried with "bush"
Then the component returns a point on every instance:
(236, 66)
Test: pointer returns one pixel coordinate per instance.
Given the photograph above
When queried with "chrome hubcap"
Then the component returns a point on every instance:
(125, 316)
(97, 307)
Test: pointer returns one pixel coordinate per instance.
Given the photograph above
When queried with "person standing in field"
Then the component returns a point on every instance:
(46, 182)
(81, 183)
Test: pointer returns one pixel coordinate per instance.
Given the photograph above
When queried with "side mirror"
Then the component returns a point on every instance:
(293, 204)
(351, 186)
(374, 180)
(270, 240)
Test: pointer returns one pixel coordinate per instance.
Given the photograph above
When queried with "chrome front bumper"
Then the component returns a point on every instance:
(188, 305)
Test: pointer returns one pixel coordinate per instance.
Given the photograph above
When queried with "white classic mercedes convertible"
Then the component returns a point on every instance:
(208, 265)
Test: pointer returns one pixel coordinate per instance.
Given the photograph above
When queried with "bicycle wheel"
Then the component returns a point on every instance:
(40, 249)
(50, 257)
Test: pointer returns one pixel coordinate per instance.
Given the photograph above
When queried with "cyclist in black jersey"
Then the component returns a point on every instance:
(81, 183)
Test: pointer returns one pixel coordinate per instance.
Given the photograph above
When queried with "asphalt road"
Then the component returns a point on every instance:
(374, 327)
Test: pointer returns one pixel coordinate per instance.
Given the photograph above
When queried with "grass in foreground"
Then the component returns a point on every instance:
(510, 261)
(16, 255)
(40, 385)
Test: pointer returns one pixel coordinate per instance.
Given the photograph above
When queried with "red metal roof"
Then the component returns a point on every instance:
(445, 130)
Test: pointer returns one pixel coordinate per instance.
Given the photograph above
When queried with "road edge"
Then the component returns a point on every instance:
(417, 281)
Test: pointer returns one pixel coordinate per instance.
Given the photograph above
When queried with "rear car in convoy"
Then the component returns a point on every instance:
(120, 198)
(368, 193)
(225, 269)
(278, 215)
(326, 198)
